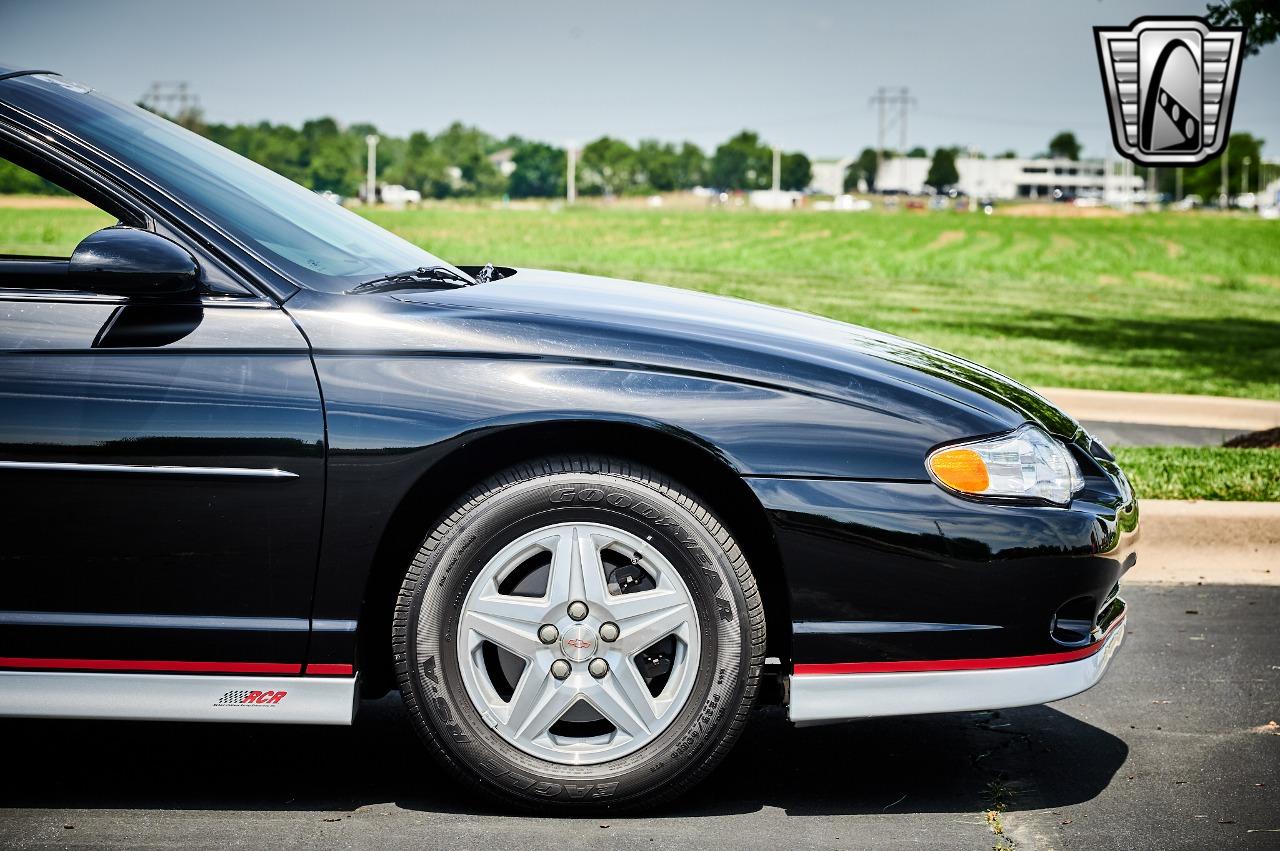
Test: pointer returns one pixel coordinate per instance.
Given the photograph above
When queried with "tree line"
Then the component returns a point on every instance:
(463, 161)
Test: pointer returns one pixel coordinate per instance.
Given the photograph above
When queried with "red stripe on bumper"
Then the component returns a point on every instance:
(919, 665)
(329, 669)
(151, 665)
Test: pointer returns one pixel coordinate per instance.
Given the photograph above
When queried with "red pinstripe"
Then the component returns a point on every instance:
(329, 669)
(151, 665)
(918, 665)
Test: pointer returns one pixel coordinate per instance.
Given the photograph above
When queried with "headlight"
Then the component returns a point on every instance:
(1026, 463)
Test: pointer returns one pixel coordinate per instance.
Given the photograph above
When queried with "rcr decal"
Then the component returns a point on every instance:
(251, 697)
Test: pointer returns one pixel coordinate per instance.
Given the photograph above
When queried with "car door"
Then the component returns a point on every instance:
(161, 461)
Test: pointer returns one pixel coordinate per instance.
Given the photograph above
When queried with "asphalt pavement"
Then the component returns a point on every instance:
(1147, 434)
(1172, 750)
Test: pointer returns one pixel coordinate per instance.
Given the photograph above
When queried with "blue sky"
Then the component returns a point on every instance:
(993, 75)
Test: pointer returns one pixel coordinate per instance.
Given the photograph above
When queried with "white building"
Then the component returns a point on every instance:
(827, 176)
(1016, 178)
(775, 199)
(504, 161)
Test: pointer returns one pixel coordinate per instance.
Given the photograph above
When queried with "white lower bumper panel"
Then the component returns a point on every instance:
(178, 697)
(824, 698)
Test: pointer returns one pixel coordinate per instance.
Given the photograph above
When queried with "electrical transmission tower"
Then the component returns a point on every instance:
(171, 98)
(885, 98)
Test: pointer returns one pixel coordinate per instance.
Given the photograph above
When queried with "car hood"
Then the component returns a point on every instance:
(556, 314)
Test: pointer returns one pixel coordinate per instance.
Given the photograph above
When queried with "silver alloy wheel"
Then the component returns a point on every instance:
(535, 715)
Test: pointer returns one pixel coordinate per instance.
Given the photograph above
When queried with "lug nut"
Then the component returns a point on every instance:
(560, 669)
(548, 634)
(577, 610)
(609, 631)
(598, 667)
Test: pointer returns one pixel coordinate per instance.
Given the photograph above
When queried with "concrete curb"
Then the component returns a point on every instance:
(1219, 543)
(1166, 409)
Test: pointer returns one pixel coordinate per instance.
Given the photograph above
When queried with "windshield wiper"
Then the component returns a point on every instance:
(412, 279)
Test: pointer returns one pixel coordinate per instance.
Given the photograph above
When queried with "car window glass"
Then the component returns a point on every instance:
(312, 240)
(39, 218)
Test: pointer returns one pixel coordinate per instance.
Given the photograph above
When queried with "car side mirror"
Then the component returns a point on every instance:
(131, 262)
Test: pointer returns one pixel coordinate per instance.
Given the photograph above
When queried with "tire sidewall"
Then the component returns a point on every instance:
(451, 564)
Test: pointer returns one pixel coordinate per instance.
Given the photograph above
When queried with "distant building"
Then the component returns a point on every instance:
(1015, 178)
(770, 199)
(1269, 196)
(828, 175)
(504, 161)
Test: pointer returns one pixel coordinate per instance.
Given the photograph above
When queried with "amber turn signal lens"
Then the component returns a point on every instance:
(960, 469)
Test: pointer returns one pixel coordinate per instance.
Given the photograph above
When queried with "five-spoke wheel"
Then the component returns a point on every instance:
(578, 643)
(579, 632)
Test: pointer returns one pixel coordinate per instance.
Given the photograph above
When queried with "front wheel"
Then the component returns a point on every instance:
(579, 632)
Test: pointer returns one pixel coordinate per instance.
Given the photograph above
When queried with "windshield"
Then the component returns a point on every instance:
(312, 241)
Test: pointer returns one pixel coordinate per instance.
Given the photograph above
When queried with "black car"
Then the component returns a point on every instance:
(260, 458)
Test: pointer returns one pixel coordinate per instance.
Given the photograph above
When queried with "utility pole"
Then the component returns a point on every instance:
(777, 168)
(1126, 174)
(879, 100)
(885, 97)
(371, 174)
(904, 100)
(1177, 183)
(571, 174)
(1222, 195)
(174, 99)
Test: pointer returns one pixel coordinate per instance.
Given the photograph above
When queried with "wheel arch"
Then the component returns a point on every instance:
(698, 469)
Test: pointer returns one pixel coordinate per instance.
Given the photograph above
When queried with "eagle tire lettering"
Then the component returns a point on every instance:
(439, 703)
(547, 788)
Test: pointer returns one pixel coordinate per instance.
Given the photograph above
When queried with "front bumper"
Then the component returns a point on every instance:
(961, 686)
(905, 598)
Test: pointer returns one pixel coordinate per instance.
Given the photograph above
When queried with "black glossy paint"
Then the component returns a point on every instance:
(236, 391)
(131, 262)
(807, 434)
(898, 552)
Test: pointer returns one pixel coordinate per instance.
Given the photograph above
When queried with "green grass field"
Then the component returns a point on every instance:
(1179, 472)
(53, 232)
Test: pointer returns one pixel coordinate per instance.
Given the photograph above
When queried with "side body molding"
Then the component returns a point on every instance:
(178, 697)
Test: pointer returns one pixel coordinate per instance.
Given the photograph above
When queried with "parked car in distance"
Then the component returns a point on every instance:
(395, 195)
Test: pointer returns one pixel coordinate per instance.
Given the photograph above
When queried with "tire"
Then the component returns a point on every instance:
(481, 682)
